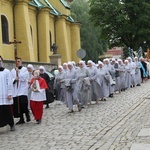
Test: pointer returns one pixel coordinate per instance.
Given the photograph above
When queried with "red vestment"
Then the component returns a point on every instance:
(37, 106)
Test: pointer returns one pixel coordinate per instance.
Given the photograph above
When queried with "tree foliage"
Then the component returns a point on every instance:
(122, 22)
(90, 35)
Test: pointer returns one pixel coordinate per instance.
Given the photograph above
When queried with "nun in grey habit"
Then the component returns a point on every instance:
(103, 81)
(93, 89)
(117, 77)
(132, 72)
(30, 69)
(111, 71)
(83, 93)
(59, 85)
(127, 75)
(71, 92)
(122, 75)
(137, 72)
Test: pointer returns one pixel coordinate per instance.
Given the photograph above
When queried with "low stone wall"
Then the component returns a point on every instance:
(10, 64)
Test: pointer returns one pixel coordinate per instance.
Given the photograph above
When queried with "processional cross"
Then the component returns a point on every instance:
(15, 42)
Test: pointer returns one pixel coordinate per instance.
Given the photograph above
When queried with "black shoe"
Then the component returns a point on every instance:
(12, 128)
(70, 111)
(104, 99)
(123, 89)
(20, 122)
(79, 107)
(28, 119)
(38, 121)
(47, 106)
(111, 95)
(27, 116)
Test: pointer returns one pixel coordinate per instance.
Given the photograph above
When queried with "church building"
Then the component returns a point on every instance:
(31, 28)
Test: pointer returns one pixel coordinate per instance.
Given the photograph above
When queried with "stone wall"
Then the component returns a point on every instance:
(10, 64)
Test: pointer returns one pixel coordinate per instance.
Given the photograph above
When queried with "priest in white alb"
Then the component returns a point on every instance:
(6, 100)
(20, 92)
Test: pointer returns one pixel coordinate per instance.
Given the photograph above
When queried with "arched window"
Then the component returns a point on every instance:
(31, 33)
(5, 31)
(50, 39)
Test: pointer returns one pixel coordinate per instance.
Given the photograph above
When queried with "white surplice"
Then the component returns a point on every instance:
(6, 87)
(22, 88)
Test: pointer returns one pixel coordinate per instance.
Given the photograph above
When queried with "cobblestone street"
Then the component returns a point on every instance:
(111, 125)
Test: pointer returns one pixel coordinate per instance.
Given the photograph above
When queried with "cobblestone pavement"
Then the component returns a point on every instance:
(110, 125)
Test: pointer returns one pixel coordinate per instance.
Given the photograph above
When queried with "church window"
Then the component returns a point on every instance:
(5, 31)
(31, 32)
(50, 39)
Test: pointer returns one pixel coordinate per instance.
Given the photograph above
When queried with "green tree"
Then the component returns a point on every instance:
(90, 35)
(122, 22)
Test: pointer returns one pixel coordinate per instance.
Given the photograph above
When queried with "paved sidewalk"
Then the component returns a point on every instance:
(112, 125)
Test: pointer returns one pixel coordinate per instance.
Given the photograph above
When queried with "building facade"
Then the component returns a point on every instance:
(38, 24)
(115, 52)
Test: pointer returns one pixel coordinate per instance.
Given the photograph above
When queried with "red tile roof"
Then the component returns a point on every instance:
(115, 51)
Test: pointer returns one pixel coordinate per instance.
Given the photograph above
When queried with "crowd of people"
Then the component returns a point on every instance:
(25, 88)
(80, 84)
(22, 88)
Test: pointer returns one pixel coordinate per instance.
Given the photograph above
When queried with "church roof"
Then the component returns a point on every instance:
(65, 4)
(36, 3)
(69, 18)
(54, 11)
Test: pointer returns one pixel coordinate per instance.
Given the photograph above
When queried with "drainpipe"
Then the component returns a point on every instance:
(15, 2)
(14, 24)
(37, 27)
